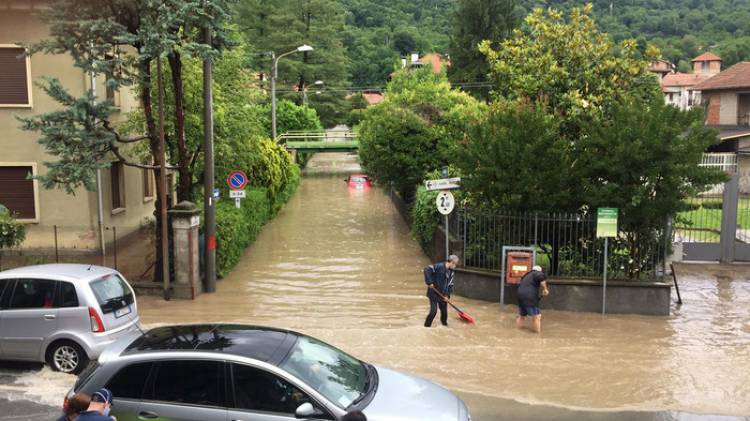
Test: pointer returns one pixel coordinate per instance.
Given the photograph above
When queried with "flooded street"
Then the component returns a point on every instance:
(340, 265)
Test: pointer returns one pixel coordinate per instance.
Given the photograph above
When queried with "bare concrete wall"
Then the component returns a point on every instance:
(623, 297)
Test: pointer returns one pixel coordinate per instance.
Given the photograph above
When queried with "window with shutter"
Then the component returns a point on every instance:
(117, 186)
(14, 77)
(17, 191)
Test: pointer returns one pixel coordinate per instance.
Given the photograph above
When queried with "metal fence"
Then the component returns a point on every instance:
(566, 244)
(129, 249)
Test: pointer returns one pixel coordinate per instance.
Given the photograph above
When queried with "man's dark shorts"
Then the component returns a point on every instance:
(524, 311)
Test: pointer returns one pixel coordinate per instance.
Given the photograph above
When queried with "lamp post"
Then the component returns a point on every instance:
(274, 75)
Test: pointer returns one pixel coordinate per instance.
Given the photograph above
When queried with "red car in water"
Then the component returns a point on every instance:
(358, 181)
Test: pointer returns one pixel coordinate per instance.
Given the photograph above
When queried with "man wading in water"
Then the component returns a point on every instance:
(528, 298)
(440, 277)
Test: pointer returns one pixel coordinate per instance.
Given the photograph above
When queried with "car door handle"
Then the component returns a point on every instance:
(147, 415)
(49, 317)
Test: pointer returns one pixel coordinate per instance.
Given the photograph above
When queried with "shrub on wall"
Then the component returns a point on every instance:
(236, 228)
(424, 215)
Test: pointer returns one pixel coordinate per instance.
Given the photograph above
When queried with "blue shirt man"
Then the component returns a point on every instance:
(439, 280)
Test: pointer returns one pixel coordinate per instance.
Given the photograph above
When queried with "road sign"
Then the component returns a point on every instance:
(237, 180)
(443, 184)
(445, 202)
(237, 194)
(606, 222)
(217, 194)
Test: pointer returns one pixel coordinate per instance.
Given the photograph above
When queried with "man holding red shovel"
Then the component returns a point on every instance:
(439, 280)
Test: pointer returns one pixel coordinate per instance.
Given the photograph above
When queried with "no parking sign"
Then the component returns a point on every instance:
(237, 180)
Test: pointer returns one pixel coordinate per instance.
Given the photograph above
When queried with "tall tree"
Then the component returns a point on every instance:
(120, 39)
(476, 21)
(282, 26)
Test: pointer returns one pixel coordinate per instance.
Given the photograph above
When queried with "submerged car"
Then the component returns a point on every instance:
(63, 314)
(215, 372)
(358, 181)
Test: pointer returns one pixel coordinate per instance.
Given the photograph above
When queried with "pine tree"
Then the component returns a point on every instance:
(122, 40)
(474, 22)
(283, 25)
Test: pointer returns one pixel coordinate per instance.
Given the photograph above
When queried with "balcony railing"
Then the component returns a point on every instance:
(720, 161)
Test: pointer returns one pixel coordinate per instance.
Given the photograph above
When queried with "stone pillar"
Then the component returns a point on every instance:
(185, 224)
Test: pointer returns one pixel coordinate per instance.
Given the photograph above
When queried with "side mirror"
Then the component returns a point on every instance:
(306, 410)
(346, 180)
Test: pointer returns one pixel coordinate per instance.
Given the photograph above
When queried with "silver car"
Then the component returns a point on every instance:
(63, 314)
(220, 372)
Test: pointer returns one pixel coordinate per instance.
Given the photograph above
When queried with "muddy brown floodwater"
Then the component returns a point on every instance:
(340, 265)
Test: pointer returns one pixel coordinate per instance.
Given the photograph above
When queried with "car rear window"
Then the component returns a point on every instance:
(111, 292)
(358, 179)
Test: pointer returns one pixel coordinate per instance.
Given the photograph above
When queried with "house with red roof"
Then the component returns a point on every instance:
(726, 98)
(679, 88)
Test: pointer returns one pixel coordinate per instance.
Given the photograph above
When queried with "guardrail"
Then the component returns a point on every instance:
(331, 136)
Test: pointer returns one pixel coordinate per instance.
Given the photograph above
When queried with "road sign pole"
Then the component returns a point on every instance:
(604, 286)
(447, 239)
(237, 203)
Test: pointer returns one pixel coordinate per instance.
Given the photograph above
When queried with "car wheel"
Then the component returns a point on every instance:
(67, 357)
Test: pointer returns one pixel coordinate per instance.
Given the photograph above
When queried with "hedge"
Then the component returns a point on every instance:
(236, 228)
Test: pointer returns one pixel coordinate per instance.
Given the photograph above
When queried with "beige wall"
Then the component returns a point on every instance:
(75, 215)
(728, 113)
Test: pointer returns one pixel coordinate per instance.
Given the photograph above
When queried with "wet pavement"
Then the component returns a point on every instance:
(340, 265)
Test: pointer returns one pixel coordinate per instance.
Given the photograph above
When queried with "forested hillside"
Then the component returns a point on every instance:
(682, 29)
(378, 31)
(359, 43)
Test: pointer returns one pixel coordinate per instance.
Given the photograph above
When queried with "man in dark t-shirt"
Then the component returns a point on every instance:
(529, 296)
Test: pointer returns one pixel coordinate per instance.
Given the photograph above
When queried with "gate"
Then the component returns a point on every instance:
(717, 225)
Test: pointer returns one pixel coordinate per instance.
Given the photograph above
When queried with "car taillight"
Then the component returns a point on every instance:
(96, 321)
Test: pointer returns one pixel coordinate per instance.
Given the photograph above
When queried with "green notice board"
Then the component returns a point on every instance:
(606, 222)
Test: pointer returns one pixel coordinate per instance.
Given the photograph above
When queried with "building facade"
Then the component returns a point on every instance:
(126, 194)
(679, 88)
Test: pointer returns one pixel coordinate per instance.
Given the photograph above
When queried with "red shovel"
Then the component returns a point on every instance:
(462, 314)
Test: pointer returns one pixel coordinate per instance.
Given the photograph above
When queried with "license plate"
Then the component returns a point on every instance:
(122, 311)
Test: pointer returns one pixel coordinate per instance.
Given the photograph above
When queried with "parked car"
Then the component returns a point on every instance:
(63, 314)
(358, 181)
(219, 372)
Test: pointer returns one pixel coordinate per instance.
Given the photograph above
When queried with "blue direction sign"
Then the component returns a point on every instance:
(237, 180)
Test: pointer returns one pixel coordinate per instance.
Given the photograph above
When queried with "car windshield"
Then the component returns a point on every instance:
(111, 292)
(339, 377)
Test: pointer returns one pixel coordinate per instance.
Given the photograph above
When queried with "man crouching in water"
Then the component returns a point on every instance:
(439, 280)
(528, 298)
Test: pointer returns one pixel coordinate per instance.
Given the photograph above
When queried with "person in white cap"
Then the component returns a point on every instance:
(529, 296)
(101, 404)
(439, 280)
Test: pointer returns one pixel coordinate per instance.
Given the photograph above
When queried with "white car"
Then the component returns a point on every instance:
(63, 314)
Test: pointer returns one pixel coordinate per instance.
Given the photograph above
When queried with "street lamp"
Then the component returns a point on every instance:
(274, 75)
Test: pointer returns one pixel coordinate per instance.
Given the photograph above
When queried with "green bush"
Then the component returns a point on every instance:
(424, 215)
(236, 228)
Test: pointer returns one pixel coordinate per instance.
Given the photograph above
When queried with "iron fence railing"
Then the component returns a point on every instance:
(566, 244)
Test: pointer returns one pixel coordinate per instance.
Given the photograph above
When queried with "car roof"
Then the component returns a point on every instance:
(265, 344)
(59, 270)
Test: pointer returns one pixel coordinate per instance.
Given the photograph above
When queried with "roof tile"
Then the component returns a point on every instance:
(737, 76)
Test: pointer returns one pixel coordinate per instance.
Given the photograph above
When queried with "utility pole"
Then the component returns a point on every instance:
(163, 184)
(208, 171)
(274, 74)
